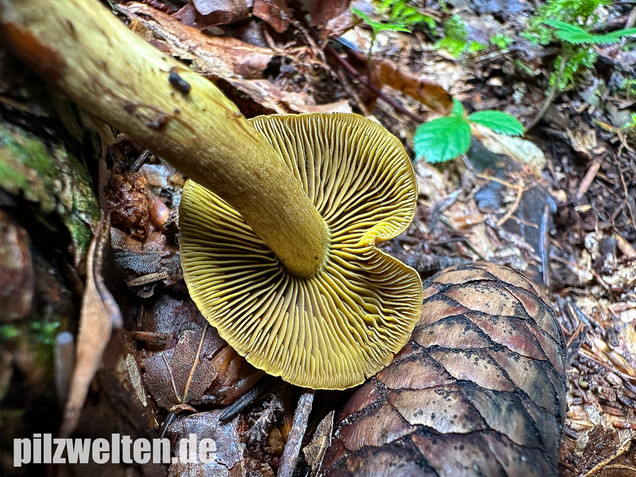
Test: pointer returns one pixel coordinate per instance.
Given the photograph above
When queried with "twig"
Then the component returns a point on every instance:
(548, 102)
(488, 177)
(349, 89)
(589, 177)
(294, 441)
(588, 354)
(197, 360)
(284, 16)
(241, 403)
(544, 246)
(625, 191)
(373, 88)
(513, 208)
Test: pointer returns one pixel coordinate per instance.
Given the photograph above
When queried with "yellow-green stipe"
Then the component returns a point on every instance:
(337, 327)
(83, 49)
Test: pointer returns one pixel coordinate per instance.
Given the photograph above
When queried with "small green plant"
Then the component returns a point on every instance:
(403, 13)
(45, 332)
(448, 137)
(501, 41)
(566, 21)
(377, 27)
(567, 11)
(455, 39)
(629, 85)
(8, 332)
(402, 17)
(577, 52)
(577, 35)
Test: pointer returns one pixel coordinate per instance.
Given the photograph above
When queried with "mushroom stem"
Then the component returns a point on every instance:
(83, 49)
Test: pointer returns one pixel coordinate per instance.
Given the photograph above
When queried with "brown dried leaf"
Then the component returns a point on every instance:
(171, 316)
(338, 26)
(99, 315)
(227, 375)
(181, 374)
(232, 12)
(223, 11)
(274, 12)
(323, 12)
(427, 92)
(218, 57)
(236, 67)
(315, 451)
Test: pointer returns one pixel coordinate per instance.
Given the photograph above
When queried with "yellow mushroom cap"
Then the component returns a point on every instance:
(343, 324)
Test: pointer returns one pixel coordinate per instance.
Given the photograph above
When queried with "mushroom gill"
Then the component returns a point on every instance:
(345, 322)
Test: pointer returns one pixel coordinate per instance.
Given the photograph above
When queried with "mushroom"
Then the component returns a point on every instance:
(338, 307)
(345, 322)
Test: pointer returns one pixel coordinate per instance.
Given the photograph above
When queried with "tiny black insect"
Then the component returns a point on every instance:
(178, 82)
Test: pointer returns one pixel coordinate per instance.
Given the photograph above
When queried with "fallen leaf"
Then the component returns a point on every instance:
(315, 450)
(273, 12)
(386, 72)
(518, 149)
(226, 9)
(99, 315)
(236, 67)
(427, 92)
(215, 56)
(183, 373)
(323, 12)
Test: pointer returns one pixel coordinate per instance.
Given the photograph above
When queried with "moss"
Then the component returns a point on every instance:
(53, 179)
(455, 38)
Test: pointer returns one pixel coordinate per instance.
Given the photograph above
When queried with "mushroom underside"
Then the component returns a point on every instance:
(334, 329)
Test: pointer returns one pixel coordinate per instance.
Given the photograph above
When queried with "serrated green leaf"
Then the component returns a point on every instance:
(442, 139)
(458, 108)
(577, 35)
(570, 33)
(618, 34)
(499, 122)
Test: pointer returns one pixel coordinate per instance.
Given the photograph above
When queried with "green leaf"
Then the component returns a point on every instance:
(442, 139)
(577, 35)
(458, 108)
(570, 33)
(618, 34)
(499, 122)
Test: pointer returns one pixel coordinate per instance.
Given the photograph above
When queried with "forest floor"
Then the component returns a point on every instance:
(558, 204)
